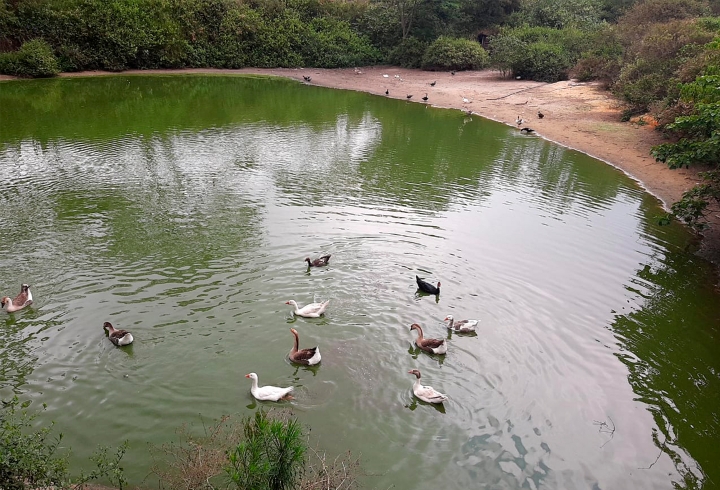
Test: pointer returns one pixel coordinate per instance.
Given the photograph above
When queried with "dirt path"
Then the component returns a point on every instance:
(582, 116)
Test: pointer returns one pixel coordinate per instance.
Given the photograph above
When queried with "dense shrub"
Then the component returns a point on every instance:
(28, 456)
(543, 62)
(538, 53)
(559, 14)
(658, 59)
(408, 53)
(603, 60)
(34, 59)
(332, 43)
(455, 54)
(644, 14)
(270, 456)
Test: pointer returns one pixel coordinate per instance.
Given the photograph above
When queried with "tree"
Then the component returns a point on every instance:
(406, 11)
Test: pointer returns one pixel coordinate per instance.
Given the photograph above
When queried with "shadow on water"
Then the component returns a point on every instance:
(415, 403)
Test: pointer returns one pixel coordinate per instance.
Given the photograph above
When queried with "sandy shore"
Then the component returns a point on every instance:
(582, 116)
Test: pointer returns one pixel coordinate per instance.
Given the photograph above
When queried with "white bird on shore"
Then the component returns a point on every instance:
(466, 100)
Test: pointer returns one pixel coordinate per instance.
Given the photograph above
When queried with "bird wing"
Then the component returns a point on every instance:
(429, 393)
(20, 299)
(432, 343)
(305, 354)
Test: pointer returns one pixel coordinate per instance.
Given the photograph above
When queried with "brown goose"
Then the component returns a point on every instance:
(322, 261)
(309, 357)
(21, 300)
(118, 337)
(433, 346)
(427, 287)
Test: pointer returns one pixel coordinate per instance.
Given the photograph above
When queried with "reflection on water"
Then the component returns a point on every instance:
(181, 209)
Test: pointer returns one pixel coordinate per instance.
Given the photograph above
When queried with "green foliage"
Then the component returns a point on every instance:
(332, 43)
(699, 143)
(538, 53)
(455, 54)
(559, 14)
(479, 14)
(28, 456)
(692, 209)
(35, 59)
(408, 53)
(270, 457)
(603, 60)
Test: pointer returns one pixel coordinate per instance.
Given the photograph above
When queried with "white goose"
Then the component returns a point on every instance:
(21, 300)
(461, 326)
(268, 393)
(313, 310)
(426, 393)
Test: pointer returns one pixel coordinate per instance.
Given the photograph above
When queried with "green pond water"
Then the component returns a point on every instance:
(181, 208)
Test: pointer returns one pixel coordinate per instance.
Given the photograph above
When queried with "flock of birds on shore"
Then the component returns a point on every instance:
(307, 356)
(519, 121)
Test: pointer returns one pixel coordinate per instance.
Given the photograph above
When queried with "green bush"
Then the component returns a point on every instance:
(559, 14)
(332, 43)
(28, 455)
(408, 53)
(35, 59)
(538, 53)
(270, 457)
(448, 53)
(543, 62)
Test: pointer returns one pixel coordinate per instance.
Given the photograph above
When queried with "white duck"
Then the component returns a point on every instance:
(461, 326)
(21, 300)
(426, 393)
(268, 393)
(313, 310)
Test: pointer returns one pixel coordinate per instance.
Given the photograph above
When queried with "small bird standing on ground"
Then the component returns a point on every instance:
(387, 92)
(540, 115)
(425, 99)
(408, 96)
(519, 121)
(452, 72)
(432, 84)
(307, 79)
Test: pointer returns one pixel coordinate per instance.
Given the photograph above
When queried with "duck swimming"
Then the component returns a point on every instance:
(427, 287)
(268, 393)
(319, 262)
(313, 310)
(426, 393)
(21, 300)
(309, 357)
(433, 346)
(461, 326)
(118, 337)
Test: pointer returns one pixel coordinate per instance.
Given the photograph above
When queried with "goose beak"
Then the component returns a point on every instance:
(446, 319)
(247, 375)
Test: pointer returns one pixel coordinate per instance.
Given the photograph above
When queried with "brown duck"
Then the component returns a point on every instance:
(21, 300)
(118, 337)
(309, 357)
(322, 261)
(433, 346)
